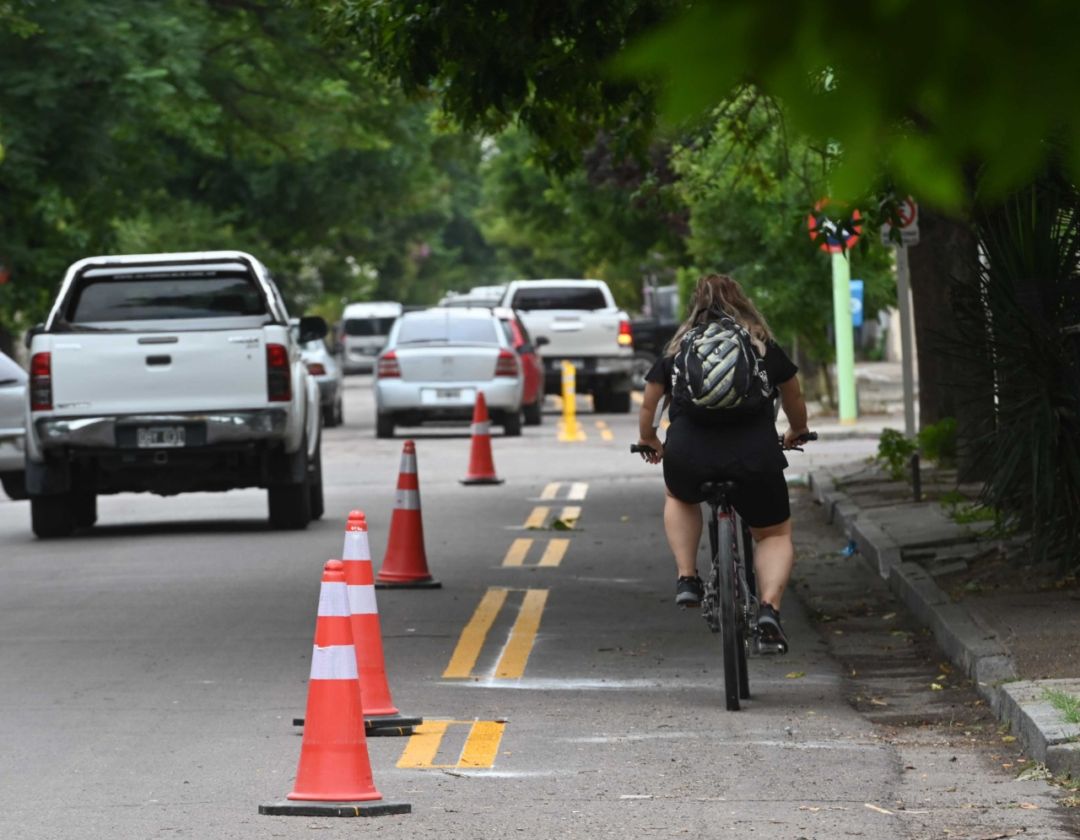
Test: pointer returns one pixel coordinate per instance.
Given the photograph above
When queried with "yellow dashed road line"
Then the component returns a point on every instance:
(481, 745)
(519, 644)
(552, 555)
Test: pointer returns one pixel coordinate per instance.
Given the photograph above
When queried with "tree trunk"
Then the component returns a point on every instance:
(947, 255)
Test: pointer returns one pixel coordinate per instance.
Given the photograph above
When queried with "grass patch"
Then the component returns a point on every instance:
(1067, 704)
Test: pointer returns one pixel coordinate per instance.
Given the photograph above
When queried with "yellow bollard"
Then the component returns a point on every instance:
(569, 429)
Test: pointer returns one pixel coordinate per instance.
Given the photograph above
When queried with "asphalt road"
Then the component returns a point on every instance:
(150, 670)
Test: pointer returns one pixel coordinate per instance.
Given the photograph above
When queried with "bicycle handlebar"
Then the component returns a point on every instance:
(641, 449)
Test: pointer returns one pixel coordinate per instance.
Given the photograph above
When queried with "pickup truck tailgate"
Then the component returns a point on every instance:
(148, 373)
(576, 333)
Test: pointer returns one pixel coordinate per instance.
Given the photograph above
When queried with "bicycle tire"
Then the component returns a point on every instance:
(729, 622)
(746, 557)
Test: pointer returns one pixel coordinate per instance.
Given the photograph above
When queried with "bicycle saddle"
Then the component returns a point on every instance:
(717, 489)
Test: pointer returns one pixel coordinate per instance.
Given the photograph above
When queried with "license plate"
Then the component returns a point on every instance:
(160, 437)
(447, 396)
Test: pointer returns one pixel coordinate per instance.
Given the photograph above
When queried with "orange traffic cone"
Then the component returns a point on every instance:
(481, 465)
(334, 774)
(405, 564)
(381, 716)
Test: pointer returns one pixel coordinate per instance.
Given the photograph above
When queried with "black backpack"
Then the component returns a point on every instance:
(718, 373)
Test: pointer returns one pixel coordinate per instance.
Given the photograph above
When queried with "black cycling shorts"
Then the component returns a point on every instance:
(760, 498)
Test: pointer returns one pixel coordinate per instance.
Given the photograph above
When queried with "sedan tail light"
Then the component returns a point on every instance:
(278, 373)
(507, 364)
(626, 337)
(41, 382)
(388, 366)
(316, 369)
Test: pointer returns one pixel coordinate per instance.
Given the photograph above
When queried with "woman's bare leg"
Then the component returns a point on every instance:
(774, 557)
(682, 524)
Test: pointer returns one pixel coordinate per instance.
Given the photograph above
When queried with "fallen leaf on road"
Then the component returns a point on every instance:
(937, 687)
(874, 701)
(794, 675)
(876, 808)
(1029, 806)
(1008, 739)
(887, 616)
(812, 809)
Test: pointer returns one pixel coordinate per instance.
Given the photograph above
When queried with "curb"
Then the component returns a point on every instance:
(972, 647)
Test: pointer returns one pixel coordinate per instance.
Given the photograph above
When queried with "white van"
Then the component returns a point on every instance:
(364, 328)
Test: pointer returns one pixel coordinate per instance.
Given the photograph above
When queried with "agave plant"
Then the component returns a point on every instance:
(1019, 327)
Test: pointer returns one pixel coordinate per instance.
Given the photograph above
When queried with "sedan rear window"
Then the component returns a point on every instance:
(560, 297)
(449, 329)
(158, 295)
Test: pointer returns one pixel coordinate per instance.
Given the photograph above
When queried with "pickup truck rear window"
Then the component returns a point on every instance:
(563, 297)
(155, 296)
(436, 330)
(359, 327)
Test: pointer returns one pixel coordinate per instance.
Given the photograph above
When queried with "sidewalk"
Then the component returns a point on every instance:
(1015, 635)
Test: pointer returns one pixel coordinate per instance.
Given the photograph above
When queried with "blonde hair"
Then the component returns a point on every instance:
(717, 295)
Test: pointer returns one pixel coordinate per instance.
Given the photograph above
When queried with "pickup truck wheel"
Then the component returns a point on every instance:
(318, 507)
(534, 415)
(512, 424)
(84, 509)
(290, 504)
(52, 516)
(619, 402)
(384, 426)
(14, 484)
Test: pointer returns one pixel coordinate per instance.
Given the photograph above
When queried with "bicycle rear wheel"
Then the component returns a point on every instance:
(746, 558)
(729, 621)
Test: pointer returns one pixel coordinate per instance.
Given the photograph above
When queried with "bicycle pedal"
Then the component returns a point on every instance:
(770, 648)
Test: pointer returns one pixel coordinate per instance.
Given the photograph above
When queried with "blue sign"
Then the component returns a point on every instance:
(856, 303)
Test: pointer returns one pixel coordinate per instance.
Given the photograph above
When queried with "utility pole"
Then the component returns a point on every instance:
(845, 338)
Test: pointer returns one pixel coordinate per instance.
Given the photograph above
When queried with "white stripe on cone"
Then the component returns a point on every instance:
(408, 464)
(407, 500)
(356, 546)
(483, 428)
(335, 662)
(333, 600)
(362, 599)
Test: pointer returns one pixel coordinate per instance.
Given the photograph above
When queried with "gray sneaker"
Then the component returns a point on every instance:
(689, 591)
(772, 636)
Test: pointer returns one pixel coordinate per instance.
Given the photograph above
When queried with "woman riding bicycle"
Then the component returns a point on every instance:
(733, 447)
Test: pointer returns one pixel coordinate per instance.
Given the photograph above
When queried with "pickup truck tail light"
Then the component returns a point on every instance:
(388, 366)
(316, 369)
(41, 382)
(507, 364)
(278, 373)
(625, 338)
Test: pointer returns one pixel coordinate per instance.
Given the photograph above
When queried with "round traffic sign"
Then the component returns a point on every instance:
(840, 234)
(907, 212)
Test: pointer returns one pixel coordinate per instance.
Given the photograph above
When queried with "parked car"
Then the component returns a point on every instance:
(584, 327)
(435, 363)
(364, 328)
(532, 398)
(324, 367)
(12, 428)
(170, 373)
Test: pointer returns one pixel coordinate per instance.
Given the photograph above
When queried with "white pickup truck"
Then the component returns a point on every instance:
(170, 373)
(581, 324)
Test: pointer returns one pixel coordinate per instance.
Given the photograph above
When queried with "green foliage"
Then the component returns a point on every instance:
(1067, 704)
(1015, 328)
(749, 185)
(135, 126)
(914, 88)
(937, 442)
(894, 453)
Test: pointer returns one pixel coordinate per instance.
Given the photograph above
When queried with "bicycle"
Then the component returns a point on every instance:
(730, 606)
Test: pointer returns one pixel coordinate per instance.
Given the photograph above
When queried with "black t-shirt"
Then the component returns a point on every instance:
(730, 447)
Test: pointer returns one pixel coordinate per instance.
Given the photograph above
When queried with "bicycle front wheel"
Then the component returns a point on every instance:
(729, 621)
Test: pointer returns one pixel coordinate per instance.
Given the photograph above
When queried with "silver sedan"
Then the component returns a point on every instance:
(435, 363)
(12, 428)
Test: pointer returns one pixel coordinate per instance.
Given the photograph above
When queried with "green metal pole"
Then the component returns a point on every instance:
(845, 338)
